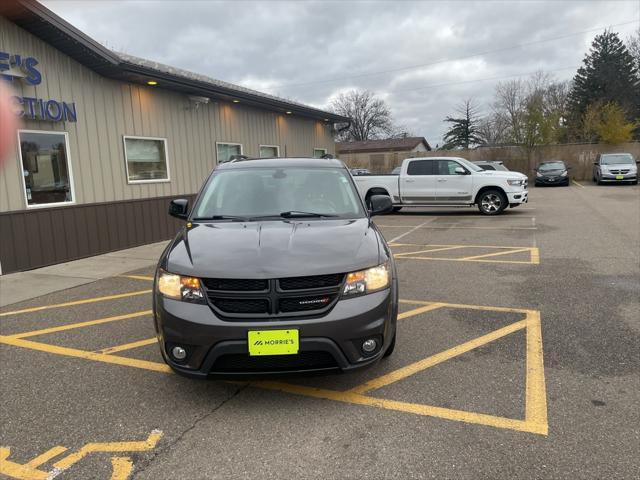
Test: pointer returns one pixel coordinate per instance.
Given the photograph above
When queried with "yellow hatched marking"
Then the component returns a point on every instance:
(122, 468)
(576, 183)
(89, 323)
(458, 227)
(423, 364)
(16, 470)
(414, 408)
(129, 346)
(138, 277)
(470, 307)
(536, 397)
(419, 310)
(109, 447)
(495, 254)
(76, 353)
(441, 249)
(76, 302)
(46, 456)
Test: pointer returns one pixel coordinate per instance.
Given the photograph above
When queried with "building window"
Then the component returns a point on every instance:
(319, 152)
(146, 159)
(225, 151)
(46, 169)
(269, 151)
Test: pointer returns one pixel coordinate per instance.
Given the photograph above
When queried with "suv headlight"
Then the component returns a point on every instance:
(516, 182)
(178, 287)
(368, 281)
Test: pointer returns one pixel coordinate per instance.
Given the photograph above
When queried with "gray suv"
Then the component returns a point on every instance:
(278, 269)
(615, 167)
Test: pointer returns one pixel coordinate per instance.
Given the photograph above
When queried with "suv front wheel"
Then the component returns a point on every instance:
(492, 202)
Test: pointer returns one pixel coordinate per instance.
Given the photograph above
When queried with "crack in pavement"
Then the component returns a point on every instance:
(157, 453)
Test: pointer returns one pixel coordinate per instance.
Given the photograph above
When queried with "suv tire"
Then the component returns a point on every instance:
(492, 202)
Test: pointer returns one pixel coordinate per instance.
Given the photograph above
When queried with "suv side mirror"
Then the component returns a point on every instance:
(380, 204)
(179, 208)
(460, 171)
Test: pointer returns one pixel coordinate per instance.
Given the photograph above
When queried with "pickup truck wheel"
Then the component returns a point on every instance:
(492, 202)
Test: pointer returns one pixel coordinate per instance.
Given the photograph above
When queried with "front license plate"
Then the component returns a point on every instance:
(273, 342)
(619, 177)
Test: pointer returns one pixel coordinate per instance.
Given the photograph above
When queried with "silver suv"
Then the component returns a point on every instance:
(615, 167)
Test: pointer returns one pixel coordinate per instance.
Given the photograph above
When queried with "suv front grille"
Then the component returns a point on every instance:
(619, 171)
(270, 299)
(240, 362)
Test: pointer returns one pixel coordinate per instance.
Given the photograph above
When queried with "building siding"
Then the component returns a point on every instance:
(107, 110)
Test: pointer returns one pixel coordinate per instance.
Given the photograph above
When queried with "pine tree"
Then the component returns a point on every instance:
(464, 130)
(608, 75)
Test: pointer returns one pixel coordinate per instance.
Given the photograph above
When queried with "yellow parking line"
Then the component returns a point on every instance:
(76, 302)
(415, 408)
(423, 364)
(578, 184)
(470, 307)
(495, 254)
(89, 323)
(419, 310)
(45, 457)
(109, 447)
(460, 227)
(427, 251)
(522, 262)
(129, 346)
(121, 468)
(536, 397)
(462, 246)
(76, 353)
(138, 277)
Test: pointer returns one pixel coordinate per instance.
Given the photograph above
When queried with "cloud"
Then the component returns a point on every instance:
(311, 51)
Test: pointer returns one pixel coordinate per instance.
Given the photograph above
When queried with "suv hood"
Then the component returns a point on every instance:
(273, 249)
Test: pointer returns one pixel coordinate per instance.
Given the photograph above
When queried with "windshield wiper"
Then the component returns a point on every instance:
(222, 217)
(296, 213)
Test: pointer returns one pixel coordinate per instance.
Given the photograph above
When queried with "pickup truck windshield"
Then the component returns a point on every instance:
(622, 159)
(265, 192)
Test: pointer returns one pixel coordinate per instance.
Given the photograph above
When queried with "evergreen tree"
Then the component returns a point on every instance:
(465, 130)
(608, 75)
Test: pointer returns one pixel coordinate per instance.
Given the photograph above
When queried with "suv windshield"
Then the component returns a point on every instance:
(471, 166)
(622, 159)
(552, 166)
(271, 192)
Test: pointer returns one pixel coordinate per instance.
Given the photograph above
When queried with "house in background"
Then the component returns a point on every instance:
(381, 156)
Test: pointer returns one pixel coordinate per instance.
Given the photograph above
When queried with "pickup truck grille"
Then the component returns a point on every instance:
(273, 299)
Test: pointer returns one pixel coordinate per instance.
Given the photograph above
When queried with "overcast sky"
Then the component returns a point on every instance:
(422, 57)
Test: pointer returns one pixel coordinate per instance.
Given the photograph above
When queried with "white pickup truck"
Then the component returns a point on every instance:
(447, 181)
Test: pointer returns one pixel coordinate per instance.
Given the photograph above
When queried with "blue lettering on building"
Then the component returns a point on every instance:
(16, 67)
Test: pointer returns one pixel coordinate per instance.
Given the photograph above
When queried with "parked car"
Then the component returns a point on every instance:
(553, 172)
(278, 269)
(615, 167)
(360, 171)
(491, 165)
(447, 181)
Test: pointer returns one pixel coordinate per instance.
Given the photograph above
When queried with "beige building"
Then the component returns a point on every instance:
(108, 139)
(381, 156)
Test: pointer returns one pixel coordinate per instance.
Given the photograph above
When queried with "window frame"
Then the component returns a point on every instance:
(126, 160)
(453, 161)
(69, 170)
(228, 143)
(313, 153)
(431, 163)
(277, 147)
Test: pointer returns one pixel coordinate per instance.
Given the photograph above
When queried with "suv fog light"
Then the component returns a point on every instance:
(369, 345)
(178, 353)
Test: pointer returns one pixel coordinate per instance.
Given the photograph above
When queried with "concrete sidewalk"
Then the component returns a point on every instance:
(17, 287)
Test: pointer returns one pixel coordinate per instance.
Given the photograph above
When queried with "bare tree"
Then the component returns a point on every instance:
(510, 103)
(370, 116)
(492, 129)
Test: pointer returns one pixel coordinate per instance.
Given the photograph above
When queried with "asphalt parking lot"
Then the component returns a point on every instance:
(517, 357)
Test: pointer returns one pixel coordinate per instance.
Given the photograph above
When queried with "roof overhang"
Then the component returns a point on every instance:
(52, 29)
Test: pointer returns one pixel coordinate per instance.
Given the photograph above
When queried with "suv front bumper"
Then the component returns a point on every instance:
(212, 341)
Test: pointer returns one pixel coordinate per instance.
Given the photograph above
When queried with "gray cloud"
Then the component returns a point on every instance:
(288, 47)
